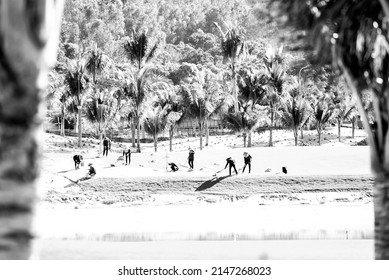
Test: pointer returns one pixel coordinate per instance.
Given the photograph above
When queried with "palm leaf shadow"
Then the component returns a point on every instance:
(210, 183)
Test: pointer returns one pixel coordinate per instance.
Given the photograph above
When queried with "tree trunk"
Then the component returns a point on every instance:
(206, 133)
(249, 139)
(25, 56)
(339, 128)
(234, 92)
(62, 125)
(244, 139)
(171, 133)
(301, 130)
(100, 142)
(353, 127)
(155, 143)
(79, 127)
(319, 134)
(381, 215)
(271, 127)
(133, 134)
(138, 137)
(201, 135)
(295, 134)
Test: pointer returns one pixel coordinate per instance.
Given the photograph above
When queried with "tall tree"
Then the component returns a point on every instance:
(295, 112)
(76, 80)
(322, 112)
(154, 123)
(252, 85)
(202, 97)
(168, 99)
(232, 46)
(276, 83)
(140, 51)
(29, 38)
(96, 63)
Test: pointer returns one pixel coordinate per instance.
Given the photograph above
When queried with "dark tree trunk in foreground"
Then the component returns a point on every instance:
(29, 37)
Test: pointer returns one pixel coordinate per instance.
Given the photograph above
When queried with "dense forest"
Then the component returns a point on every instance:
(152, 64)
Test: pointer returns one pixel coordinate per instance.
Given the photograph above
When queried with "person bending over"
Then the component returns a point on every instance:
(173, 167)
(231, 164)
(77, 161)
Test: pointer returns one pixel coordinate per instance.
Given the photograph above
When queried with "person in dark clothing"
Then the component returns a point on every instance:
(77, 160)
(92, 170)
(231, 163)
(90, 174)
(247, 161)
(173, 166)
(191, 158)
(106, 146)
(127, 154)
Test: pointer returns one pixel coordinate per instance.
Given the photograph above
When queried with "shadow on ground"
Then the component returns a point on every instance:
(210, 183)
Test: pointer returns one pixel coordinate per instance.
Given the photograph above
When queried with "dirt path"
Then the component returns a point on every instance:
(129, 191)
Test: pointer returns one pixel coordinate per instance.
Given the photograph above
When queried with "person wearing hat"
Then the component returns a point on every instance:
(90, 174)
(247, 161)
(231, 163)
(191, 158)
(92, 170)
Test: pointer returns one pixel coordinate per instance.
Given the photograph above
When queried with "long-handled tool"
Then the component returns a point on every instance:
(217, 172)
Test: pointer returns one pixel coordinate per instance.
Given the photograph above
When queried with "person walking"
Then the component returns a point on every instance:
(106, 146)
(127, 154)
(231, 164)
(247, 161)
(191, 159)
(77, 160)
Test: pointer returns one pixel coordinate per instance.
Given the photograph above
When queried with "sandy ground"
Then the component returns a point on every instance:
(326, 195)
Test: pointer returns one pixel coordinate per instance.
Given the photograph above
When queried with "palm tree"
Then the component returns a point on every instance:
(76, 81)
(322, 113)
(140, 51)
(276, 81)
(252, 92)
(57, 97)
(295, 112)
(202, 98)
(96, 63)
(168, 99)
(344, 109)
(154, 122)
(232, 46)
(244, 121)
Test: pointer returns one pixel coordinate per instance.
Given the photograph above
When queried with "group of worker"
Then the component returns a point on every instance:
(230, 162)
(78, 160)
